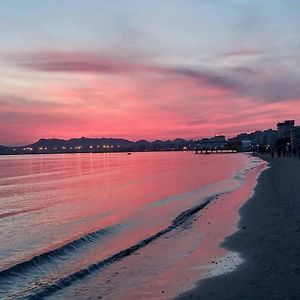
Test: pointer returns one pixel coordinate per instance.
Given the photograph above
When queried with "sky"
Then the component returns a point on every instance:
(146, 69)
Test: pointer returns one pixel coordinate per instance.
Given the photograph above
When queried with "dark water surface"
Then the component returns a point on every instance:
(91, 226)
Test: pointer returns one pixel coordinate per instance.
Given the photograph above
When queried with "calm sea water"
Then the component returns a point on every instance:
(91, 226)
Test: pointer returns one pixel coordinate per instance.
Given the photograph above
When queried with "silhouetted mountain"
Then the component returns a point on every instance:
(179, 141)
(83, 144)
(4, 149)
(48, 143)
(157, 142)
(142, 142)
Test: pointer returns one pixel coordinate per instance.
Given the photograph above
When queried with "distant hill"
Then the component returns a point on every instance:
(4, 149)
(84, 144)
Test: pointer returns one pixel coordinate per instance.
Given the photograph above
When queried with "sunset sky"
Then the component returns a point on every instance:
(146, 69)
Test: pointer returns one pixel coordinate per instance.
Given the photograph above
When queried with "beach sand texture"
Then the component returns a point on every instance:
(268, 240)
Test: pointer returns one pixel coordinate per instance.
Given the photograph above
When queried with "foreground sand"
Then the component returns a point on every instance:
(268, 240)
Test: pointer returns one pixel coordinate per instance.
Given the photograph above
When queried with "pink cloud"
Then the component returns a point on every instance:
(113, 97)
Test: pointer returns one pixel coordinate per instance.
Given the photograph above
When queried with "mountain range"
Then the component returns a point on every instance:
(83, 144)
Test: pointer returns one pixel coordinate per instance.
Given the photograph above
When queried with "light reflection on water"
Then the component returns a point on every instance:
(48, 201)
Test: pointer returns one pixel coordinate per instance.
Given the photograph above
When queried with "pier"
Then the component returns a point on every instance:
(215, 151)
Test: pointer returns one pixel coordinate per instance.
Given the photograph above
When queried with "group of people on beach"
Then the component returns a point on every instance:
(286, 150)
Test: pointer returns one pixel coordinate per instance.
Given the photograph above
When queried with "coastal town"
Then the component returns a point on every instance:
(286, 138)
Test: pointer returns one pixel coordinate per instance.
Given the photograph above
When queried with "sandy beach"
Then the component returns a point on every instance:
(268, 240)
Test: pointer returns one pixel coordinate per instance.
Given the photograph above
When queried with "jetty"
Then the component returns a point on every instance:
(215, 151)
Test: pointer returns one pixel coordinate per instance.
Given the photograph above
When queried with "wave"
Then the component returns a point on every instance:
(64, 250)
(13, 213)
(61, 283)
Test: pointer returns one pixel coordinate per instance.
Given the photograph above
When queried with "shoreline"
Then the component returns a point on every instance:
(268, 240)
(115, 151)
(185, 254)
(168, 264)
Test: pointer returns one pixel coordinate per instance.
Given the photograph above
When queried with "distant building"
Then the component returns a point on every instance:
(246, 145)
(242, 136)
(269, 137)
(284, 128)
(257, 138)
(218, 139)
(239, 138)
(295, 136)
(216, 142)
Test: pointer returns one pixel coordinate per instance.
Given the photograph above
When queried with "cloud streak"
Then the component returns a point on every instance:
(272, 84)
(75, 62)
(243, 52)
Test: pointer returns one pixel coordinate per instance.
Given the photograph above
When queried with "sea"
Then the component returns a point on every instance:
(115, 226)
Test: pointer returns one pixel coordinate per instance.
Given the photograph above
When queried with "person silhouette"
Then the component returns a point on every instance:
(278, 152)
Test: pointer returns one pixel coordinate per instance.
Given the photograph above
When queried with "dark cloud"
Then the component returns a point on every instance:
(205, 77)
(259, 84)
(73, 62)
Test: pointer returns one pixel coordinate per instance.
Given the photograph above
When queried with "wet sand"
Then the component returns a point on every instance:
(268, 241)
